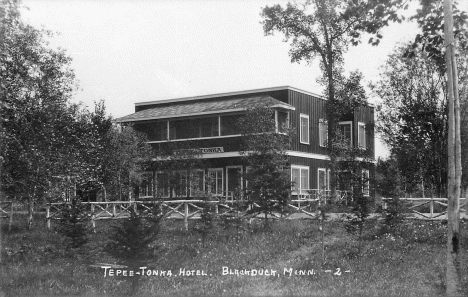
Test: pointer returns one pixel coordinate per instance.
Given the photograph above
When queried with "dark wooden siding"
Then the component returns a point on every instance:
(314, 107)
(365, 114)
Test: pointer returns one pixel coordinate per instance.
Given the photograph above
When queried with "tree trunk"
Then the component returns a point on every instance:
(454, 159)
(30, 210)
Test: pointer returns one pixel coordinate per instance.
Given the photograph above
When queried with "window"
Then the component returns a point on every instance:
(304, 129)
(323, 132)
(146, 186)
(345, 132)
(323, 179)
(365, 182)
(362, 135)
(215, 181)
(282, 121)
(229, 124)
(300, 179)
(162, 184)
(180, 184)
(197, 182)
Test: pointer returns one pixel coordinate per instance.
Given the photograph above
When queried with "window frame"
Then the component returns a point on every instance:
(350, 123)
(295, 187)
(307, 130)
(209, 188)
(277, 122)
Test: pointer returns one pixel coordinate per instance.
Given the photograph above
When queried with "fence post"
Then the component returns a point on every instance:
(186, 213)
(135, 208)
(10, 221)
(431, 207)
(48, 216)
(113, 210)
(93, 218)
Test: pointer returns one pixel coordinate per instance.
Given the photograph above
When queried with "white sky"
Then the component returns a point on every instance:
(131, 51)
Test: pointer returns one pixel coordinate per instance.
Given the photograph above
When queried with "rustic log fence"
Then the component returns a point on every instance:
(175, 209)
(417, 203)
(6, 212)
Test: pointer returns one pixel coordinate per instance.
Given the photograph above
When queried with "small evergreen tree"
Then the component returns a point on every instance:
(132, 242)
(74, 225)
(268, 180)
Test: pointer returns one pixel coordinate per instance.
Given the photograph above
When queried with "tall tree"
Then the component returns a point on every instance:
(454, 157)
(36, 84)
(264, 152)
(412, 117)
(324, 29)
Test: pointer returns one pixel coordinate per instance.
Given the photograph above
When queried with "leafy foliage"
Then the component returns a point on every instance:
(412, 118)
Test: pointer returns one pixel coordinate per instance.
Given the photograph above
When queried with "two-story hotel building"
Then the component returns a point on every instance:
(208, 123)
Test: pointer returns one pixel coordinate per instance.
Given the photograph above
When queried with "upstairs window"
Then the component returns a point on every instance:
(323, 132)
(362, 135)
(345, 132)
(282, 121)
(304, 136)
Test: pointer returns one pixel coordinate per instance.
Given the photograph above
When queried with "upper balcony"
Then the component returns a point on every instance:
(201, 120)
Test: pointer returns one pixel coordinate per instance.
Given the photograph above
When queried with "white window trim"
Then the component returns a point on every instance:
(359, 137)
(222, 177)
(301, 116)
(350, 123)
(276, 120)
(322, 121)
(300, 177)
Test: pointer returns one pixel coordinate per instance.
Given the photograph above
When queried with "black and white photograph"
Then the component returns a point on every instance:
(233, 148)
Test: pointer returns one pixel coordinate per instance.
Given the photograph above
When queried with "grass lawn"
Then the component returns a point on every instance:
(412, 264)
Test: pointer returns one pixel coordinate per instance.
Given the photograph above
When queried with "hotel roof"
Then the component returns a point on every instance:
(199, 108)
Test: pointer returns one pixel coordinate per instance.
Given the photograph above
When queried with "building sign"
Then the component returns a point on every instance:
(204, 150)
(212, 150)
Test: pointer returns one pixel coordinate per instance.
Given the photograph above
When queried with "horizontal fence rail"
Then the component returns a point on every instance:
(178, 209)
(437, 207)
